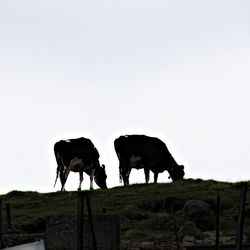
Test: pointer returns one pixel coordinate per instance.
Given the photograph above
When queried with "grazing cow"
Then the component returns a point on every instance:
(141, 151)
(79, 155)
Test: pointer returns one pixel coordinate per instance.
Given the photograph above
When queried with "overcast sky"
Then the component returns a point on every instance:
(178, 70)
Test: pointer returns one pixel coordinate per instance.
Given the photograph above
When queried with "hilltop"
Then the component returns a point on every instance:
(148, 213)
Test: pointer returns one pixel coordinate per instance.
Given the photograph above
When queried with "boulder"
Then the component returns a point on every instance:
(187, 242)
(201, 213)
(193, 208)
(160, 221)
(135, 233)
(189, 229)
(170, 203)
(147, 245)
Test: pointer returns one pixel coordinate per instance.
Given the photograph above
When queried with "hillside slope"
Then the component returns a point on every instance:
(148, 213)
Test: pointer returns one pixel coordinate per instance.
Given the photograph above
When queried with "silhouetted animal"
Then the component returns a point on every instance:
(79, 155)
(141, 151)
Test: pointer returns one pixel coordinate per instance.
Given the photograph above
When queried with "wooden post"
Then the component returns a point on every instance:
(80, 221)
(1, 223)
(91, 222)
(243, 192)
(8, 215)
(217, 239)
(175, 230)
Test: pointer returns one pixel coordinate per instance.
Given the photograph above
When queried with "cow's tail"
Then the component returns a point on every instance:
(57, 173)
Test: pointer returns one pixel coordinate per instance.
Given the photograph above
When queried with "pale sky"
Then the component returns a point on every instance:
(177, 70)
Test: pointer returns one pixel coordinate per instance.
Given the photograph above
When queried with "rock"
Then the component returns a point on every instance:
(135, 232)
(201, 213)
(125, 244)
(208, 238)
(147, 245)
(160, 221)
(196, 207)
(189, 229)
(10, 240)
(171, 202)
(208, 234)
(227, 240)
(187, 241)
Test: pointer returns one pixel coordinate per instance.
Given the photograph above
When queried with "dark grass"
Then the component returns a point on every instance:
(136, 205)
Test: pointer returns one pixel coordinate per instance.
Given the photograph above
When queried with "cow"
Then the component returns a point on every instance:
(79, 155)
(149, 153)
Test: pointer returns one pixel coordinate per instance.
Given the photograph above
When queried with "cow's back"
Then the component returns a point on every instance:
(152, 151)
(81, 148)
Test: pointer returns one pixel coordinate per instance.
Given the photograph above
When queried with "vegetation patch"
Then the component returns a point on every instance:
(147, 212)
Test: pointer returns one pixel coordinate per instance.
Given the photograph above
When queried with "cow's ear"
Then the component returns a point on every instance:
(182, 167)
(103, 166)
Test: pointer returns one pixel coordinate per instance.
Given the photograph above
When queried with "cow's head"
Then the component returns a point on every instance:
(177, 172)
(100, 177)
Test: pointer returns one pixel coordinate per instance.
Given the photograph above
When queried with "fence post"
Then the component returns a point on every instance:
(217, 240)
(175, 229)
(91, 222)
(8, 215)
(1, 223)
(80, 221)
(243, 192)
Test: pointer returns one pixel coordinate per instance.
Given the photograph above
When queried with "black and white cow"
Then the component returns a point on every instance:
(141, 151)
(79, 155)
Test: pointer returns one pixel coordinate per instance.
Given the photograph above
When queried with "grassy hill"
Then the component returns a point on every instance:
(137, 206)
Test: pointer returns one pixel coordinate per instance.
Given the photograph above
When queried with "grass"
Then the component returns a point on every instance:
(136, 205)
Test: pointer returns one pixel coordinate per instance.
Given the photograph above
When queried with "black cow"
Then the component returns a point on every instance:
(79, 155)
(141, 151)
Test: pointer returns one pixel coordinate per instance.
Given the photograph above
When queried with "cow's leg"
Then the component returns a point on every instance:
(126, 180)
(155, 177)
(91, 178)
(64, 173)
(146, 171)
(62, 179)
(126, 177)
(81, 179)
(63, 186)
(67, 170)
